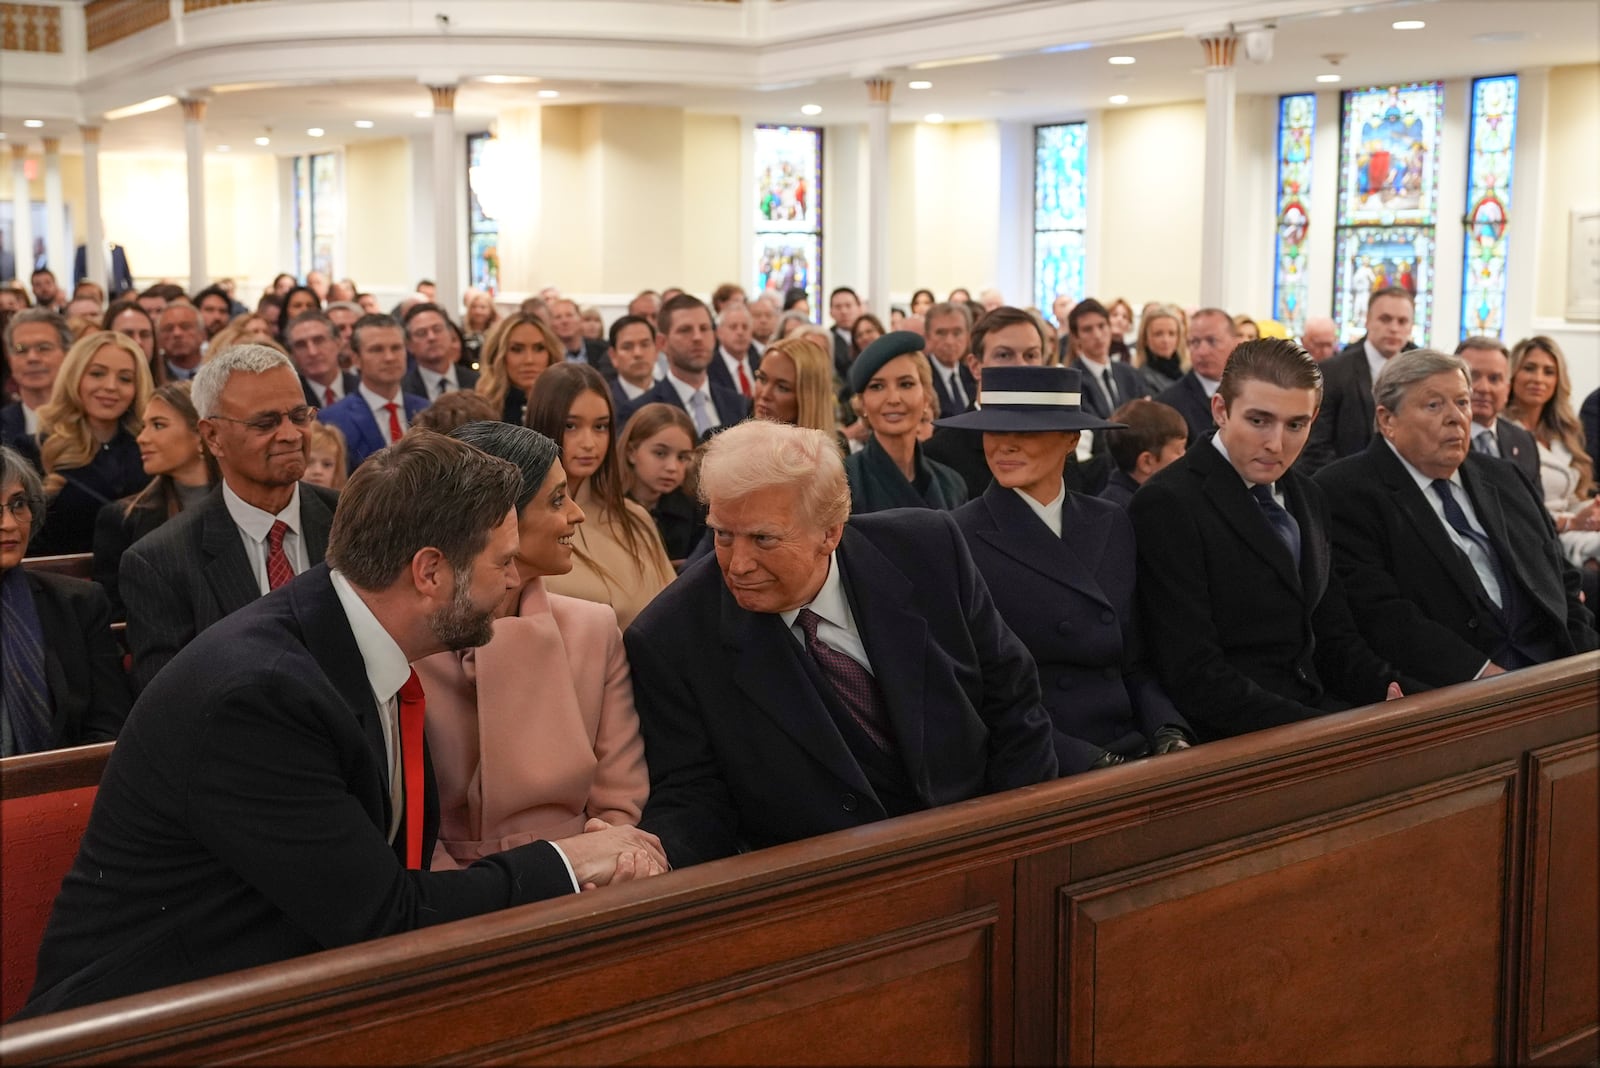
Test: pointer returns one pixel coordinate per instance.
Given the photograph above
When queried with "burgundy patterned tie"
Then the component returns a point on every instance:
(854, 684)
(278, 569)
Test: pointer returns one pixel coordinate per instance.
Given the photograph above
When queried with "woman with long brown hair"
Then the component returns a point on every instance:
(618, 556)
(518, 349)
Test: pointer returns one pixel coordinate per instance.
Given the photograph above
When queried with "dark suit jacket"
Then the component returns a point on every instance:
(313, 393)
(1120, 488)
(193, 571)
(718, 371)
(948, 405)
(731, 406)
(1188, 396)
(13, 425)
(89, 695)
(1071, 601)
(597, 354)
(742, 750)
(115, 529)
(1129, 382)
(843, 354)
(115, 471)
(243, 819)
(1241, 639)
(361, 434)
(1415, 596)
(1589, 416)
(1346, 422)
(413, 385)
(1518, 446)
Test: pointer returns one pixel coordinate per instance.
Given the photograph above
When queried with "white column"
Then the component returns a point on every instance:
(21, 213)
(878, 93)
(1526, 212)
(446, 231)
(1214, 238)
(194, 115)
(94, 227)
(58, 257)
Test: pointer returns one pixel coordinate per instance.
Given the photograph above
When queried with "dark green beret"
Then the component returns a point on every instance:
(880, 352)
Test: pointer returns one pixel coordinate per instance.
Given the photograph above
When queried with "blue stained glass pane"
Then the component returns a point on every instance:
(789, 261)
(1489, 166)
(1372, 257)
(483, 231)
(788, 210)
(1297, 119)
(1060, 210)
(1389, 161)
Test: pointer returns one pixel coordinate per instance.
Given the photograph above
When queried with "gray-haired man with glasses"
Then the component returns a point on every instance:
(256, 530)
(38, 340)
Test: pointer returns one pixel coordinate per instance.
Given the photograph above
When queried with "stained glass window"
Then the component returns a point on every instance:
(1388, 200)
(1297, 118)
(483, 230)
(788, 211)
(1494, 141)
(318, 218)
(1060, 211)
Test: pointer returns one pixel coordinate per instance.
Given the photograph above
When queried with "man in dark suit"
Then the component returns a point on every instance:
(634, 355)
(1243, 616)
(1345, 425)
(736, 362)
(37, 341)
(1490, 366)
(61, 679)
(844, 307)
(816, 676)
(1107, 383)
(272, 795)
(1453, 566)
(948, 329)
(435, 344)
(256, 530)
(567, 324)
(314, 345)
(1212, 337)
(688, 338)
(379, 412)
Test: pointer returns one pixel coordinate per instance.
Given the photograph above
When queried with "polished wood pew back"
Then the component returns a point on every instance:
(1408, 883)
(73, 565)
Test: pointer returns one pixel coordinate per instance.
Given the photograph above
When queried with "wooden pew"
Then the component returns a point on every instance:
(1409, 883)
(73, 565)
(45, 800)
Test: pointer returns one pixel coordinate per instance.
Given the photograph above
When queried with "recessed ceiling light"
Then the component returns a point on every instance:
(919, 84)
(1409, 24)
(363, 124)
(1122, 61)
(224, 148)
(508, 79)
(548, 94)
(33, 124)
(933, 117)
(423, 114)
(1327, 79)
(263, 141)
(811, 109)
(315, 131)
(1120, 98)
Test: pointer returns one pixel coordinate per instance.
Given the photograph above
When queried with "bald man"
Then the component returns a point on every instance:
(1320, 337)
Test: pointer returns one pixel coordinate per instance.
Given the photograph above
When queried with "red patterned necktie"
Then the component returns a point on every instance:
(744, 380)
(412, 708)
(854, 684)
(278, 569)
(394, 421)
(327, 397)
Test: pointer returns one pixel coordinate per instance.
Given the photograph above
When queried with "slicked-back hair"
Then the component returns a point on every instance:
(1150, 425)
(1399, 375)
(680, 302)
(424, 491)
(376, 321)
(1277, 361)
(999, 319)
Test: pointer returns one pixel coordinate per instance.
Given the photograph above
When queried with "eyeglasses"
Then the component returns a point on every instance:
(20, 508)
(43, 348)
(267, 423)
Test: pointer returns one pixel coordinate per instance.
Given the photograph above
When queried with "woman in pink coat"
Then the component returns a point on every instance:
(533, 734)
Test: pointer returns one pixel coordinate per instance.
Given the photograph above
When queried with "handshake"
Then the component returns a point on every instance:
(604, 854)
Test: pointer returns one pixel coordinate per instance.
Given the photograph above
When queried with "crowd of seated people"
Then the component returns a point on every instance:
(716, 578)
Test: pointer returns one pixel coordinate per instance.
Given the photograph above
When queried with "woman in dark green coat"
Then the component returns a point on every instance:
(894, 381)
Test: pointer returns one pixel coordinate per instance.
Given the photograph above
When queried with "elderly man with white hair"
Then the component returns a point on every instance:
(815, 675)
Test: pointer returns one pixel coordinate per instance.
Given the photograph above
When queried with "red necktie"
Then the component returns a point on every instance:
(394, 421)
(278, 569)
(744, 380)
(412, 706)
(327, 397)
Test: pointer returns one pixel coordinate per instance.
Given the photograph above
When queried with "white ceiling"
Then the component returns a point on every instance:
(1462, 37)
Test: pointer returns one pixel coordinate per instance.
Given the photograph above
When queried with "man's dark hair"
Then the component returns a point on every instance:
(426, 490)
(724, 293)
(418, 309)
(37, 271)
(169, 291)
(1392, 291)
(313, 316)
(999, 319)
(1277, 361)
(841, 289)
(626, 321)
(213, 291)
(1483, 341)
(681, 302)
(1151, 425)
(423, 282)
(1086, 306)
(944, 308)
(372, 322)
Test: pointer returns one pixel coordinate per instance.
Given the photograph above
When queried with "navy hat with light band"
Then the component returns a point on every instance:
(874, 356)
(1021, 400)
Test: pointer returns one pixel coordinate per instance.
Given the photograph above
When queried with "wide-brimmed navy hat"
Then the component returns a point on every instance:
(874, 356)
(1029, 400)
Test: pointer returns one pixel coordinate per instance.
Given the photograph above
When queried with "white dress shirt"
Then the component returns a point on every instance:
(686, 394)
(380, 411)
(1375, 360)
(1210, 385)
(336, 387)
(30, 419)
(1049, 513)
(254, 526)
(629, 390)
(838, 627)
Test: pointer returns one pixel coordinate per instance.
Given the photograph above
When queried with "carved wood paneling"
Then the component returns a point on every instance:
(30, 28)
(106, 21)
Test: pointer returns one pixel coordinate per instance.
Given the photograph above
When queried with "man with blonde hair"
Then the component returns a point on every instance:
(816, 675)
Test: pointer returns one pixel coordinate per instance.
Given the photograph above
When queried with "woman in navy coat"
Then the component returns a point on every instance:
(1061, 568)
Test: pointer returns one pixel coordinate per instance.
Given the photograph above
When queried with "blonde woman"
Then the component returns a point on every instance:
(1162, 351)
(1541, 400)
(795, 383)
(86, 443)
(518, 349)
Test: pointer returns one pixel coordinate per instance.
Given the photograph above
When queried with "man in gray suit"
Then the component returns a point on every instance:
(259, 528)
(1490, 365)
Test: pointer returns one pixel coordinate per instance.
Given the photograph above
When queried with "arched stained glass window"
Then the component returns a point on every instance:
(1388, 200)
(1060, 211)
(1297, 119)
(1494, 141)
(788, 211)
